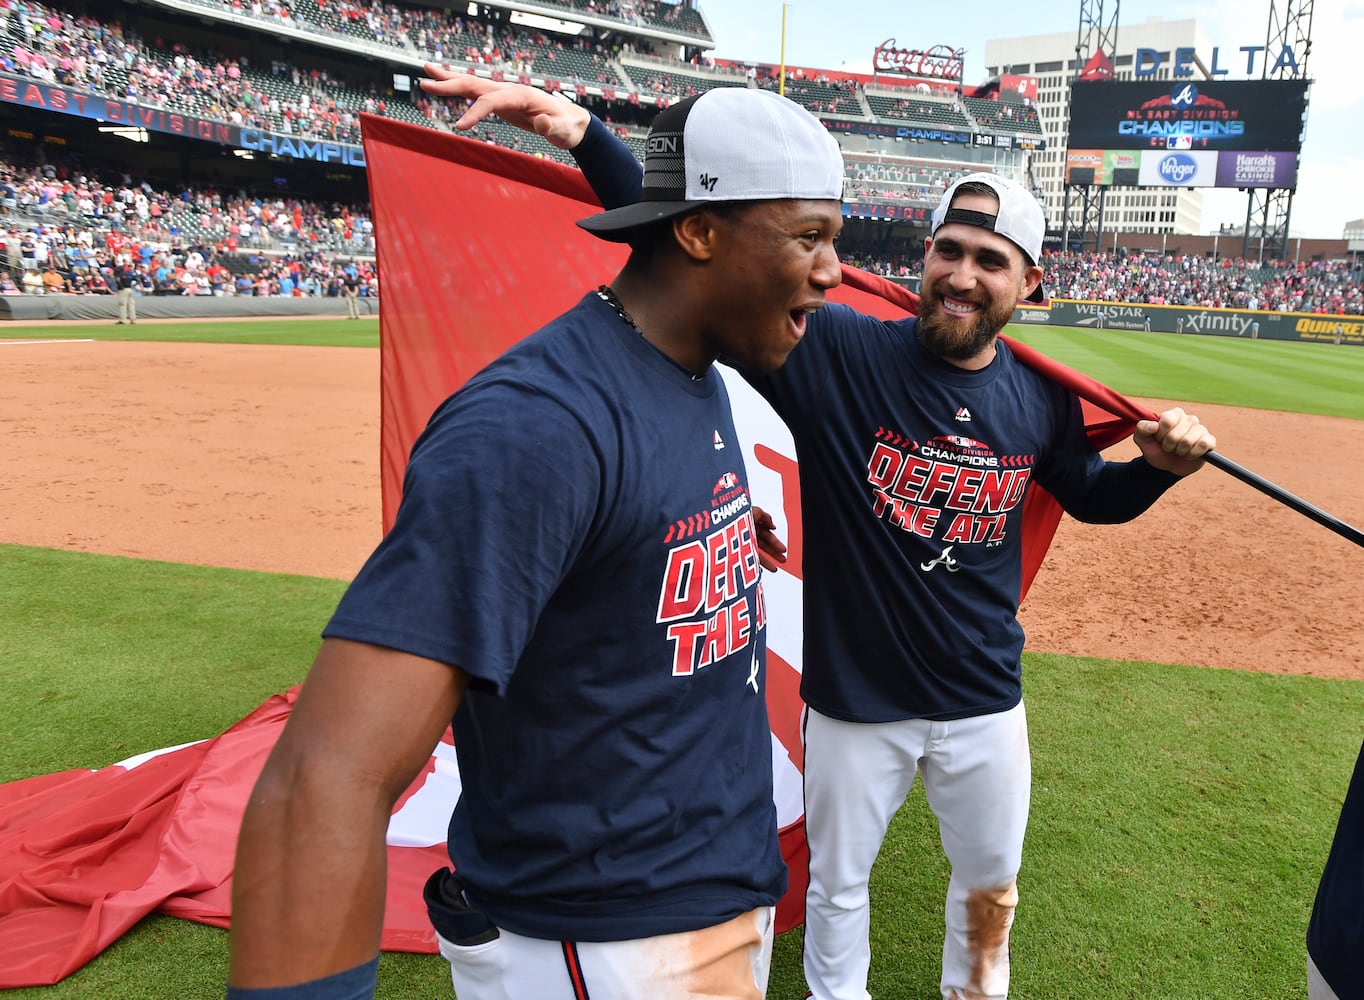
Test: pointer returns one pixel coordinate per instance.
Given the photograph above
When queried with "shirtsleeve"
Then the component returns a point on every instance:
(608, 165)
(499, 496)
(1091, 489)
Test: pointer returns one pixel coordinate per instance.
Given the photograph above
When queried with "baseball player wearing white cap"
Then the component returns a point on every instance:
(578, 589)
(918, 440)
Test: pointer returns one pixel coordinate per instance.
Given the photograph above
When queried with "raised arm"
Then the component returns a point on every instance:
(606, 162)
(556, 119)
(309, 882)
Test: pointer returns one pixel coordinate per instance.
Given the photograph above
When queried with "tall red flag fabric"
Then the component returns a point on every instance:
(477, 248)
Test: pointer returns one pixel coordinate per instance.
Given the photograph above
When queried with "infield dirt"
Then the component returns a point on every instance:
(267, 458)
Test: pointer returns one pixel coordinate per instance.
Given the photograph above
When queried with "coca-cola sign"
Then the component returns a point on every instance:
(940, 62)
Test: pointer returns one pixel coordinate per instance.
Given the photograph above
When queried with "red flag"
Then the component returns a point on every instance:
(84, 855)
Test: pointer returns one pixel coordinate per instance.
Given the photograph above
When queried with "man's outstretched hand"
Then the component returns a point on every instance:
(556, 119)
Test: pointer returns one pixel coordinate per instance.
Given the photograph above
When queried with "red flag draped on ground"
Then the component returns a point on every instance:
(477, 248)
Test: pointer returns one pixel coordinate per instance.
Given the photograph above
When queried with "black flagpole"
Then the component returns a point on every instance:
(1287, 499)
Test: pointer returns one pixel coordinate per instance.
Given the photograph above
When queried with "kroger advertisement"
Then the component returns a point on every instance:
(1190, 168)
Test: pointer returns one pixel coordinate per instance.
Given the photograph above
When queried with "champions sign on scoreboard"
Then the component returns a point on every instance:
(1186, 133)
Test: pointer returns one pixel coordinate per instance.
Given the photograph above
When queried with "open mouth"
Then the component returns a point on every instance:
(801, 316)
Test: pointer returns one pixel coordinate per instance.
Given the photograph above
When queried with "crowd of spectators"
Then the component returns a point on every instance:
(69, 232)
(640, 13)
(109, 60)
(888, 180)
(509, 48)
(62, 196)
(1334, 287)
(1004, 114)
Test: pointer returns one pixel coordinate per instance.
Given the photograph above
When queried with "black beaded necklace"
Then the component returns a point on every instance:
(607, 294)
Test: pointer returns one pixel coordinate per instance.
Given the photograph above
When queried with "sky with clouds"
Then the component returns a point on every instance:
(829, 34)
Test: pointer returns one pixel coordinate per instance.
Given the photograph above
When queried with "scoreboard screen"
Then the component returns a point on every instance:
(1184, 133)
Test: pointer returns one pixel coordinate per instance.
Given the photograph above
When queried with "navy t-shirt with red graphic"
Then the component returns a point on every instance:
(575, 533)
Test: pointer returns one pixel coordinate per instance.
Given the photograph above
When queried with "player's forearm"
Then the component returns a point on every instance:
(609, 166)
(309, 882)
(1123, 491)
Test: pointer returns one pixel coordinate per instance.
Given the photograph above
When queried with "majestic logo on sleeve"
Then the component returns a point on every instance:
(711, 600)
(952, 489)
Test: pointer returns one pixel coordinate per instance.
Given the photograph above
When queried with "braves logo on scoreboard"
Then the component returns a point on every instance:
(1249, 116)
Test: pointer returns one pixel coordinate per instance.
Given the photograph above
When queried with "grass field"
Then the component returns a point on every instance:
(1180, 816)
(363, 332)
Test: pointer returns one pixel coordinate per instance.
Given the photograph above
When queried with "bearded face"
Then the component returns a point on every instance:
(952, 334)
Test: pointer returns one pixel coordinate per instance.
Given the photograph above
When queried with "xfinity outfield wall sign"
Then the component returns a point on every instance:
(1186, 320)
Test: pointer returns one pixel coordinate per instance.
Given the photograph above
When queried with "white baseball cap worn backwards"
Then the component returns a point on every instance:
(1019, 220)
(728, 144)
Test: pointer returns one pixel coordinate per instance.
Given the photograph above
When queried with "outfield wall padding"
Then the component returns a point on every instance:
(21, 308)
(1206, 322)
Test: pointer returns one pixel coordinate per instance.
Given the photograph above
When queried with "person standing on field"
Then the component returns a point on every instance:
(350, 286)
(616, 835)
(127, 303)
(918, 440)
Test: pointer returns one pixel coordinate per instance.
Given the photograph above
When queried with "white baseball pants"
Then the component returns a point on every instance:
(729, 961)
(977, 777)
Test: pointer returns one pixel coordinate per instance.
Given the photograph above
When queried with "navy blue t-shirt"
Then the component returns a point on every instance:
(575, 533)
(913, 473)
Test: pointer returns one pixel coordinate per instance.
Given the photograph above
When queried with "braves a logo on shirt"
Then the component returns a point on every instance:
(711, 600)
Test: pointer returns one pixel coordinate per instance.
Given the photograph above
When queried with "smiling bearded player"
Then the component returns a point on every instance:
(918, 440)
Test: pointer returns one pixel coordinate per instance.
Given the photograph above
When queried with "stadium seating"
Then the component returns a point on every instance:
(921, 109)
(674, 79)
(1003, 115)
(823, 97)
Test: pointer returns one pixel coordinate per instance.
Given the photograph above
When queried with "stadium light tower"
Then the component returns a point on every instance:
(1268, 210)
(1096, 45)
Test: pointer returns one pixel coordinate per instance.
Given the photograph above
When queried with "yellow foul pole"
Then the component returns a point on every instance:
(781, 80)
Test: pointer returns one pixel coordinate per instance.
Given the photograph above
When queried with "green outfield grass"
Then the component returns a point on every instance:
(1297, 377)
(1181, 816)
(363, 332)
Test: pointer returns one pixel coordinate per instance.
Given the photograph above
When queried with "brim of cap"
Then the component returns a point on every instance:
(1038, 294)
(620, 224)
